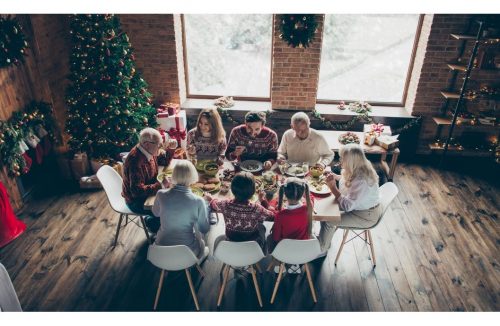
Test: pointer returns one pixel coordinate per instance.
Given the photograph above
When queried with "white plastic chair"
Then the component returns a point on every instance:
(297, 252)
(112, 184)
(174, 258)
(8, 296)
(239, 255)
(388, 191)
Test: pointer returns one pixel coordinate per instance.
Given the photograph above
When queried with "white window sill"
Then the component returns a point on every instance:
(327, 110)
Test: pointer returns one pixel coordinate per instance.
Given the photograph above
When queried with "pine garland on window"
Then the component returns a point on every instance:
(13, 44)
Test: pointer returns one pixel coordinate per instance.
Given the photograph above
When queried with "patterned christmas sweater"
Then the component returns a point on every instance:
(139, 175)
(206, 149)
(242, 219)
(263, 147)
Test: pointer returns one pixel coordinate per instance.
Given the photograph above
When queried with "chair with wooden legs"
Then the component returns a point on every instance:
(174, 258)
(112, 182)
(239, 255)
(296, 252)
(388, 191)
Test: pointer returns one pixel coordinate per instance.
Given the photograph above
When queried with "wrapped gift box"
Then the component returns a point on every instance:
(175, 127)
(386, 129)
(79, 165)
(96, 165)
(387, 142)
(90, 182)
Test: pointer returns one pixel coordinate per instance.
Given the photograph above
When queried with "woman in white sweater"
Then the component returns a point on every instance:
(357, 193)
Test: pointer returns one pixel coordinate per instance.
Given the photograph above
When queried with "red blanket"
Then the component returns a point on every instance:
(10, 226)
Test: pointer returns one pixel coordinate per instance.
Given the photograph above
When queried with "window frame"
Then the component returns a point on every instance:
(203, 96)
(402, 103)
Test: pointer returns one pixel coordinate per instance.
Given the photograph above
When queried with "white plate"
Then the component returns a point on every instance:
(291, 169)
(324, 189)
(251, 166)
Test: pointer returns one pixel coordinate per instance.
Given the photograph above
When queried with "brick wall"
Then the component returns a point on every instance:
(52, 46)
(295, 71)
(153, 38)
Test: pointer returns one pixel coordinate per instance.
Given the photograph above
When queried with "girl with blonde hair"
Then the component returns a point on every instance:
(357, 193)
(207, 141)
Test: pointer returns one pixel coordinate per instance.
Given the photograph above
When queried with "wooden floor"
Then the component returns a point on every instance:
(437, 249)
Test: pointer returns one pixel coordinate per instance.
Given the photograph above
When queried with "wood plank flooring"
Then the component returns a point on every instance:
(437, 249)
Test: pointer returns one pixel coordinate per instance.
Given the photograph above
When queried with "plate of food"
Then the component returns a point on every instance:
(296, 170)
(209, 184)
(318, 186)
(197, 191)
(349, 138)
(251, 166)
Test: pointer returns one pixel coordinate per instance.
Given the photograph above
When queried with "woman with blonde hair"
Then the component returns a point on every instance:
(183, 215)
(207, 141)
(357, 193)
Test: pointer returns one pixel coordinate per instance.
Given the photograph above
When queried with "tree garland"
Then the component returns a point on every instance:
(225, 102)
(298, 30)
(13, 42)
(35, 117)
(362, 117)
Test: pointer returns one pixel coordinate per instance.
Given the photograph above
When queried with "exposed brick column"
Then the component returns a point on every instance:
(153, 38)
(295, 71)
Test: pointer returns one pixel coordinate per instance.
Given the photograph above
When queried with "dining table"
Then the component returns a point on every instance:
(326, 208)
(332, 138)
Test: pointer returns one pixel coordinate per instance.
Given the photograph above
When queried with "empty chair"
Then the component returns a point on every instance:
(388, 192)
(8, 296)
(174, 258)
(112, 184)
(296, 252)
(239, 255)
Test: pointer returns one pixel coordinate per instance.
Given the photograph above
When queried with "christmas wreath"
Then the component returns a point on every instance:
(13, 42)
(298, 30)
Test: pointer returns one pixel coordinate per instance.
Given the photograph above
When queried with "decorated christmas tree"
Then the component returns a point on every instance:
(108, 100)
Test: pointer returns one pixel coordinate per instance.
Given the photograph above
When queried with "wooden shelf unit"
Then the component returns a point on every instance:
(462, 152)
(445, 121)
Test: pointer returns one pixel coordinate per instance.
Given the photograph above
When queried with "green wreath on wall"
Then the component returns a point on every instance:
(298, 29)
(13, 42)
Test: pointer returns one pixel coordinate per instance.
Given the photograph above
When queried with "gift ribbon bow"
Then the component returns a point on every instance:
(176, 132)
(377, 128)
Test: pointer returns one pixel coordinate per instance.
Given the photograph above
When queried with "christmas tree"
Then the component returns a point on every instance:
(108, 100)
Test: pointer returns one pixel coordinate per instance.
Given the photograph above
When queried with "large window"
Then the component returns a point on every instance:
(228, 55)
(366, 57)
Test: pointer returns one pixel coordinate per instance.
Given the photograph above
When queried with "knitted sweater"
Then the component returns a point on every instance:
(263, 147)
(206, 148)
(139, 175)
(291, 224)
(242, 219)
(314, 149)
(180, 212)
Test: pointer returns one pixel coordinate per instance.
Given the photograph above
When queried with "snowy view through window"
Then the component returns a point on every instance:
(366, 57)
(229, 54)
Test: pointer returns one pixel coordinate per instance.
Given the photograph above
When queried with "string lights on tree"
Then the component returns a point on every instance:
(108, 100)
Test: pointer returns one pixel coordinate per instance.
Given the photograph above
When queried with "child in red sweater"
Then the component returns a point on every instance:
(294, 221)
(243, 219)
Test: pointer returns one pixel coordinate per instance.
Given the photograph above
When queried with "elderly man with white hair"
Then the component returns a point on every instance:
(304, 144)
(140, 170)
